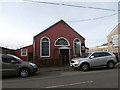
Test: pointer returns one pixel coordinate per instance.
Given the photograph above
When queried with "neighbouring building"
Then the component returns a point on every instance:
(113, 43)
(54, 46)
(5, 50)
(103, 47)
(25, 53)
(112, 40)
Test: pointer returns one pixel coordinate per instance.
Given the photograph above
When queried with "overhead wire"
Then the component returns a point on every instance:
(93, 18)
(70, 5)
(82, 20)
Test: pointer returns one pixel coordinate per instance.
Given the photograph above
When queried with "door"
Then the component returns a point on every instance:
(7, 67)
(30, 57)
(64, 56)
(98, 59)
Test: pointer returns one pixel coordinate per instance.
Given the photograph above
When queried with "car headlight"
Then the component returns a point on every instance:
(77, 61)
(34, 65)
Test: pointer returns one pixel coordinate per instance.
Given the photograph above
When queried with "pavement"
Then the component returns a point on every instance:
(59, 68)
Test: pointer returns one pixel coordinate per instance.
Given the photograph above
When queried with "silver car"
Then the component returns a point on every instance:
(94, 59)
(12, 65)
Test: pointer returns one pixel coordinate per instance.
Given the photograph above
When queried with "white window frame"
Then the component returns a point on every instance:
(74, 46)
(22, 52)
(62, 45)
(41, 47)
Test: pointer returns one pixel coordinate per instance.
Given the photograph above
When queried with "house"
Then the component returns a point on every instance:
(112, 45)
(114, 41)
(103, 47)
(5, 50)
(25, 53)
(57, 45)
(54, 46)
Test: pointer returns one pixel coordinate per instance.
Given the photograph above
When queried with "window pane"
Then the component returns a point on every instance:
(104, 54)
(61, 42)
(45, 39)
(77, 47)
(96, 55)
(45, 47)
(24, 52)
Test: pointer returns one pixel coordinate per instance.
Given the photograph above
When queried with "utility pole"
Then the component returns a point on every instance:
(119, 42)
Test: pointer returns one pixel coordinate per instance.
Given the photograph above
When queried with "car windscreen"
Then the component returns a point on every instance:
(86, 55)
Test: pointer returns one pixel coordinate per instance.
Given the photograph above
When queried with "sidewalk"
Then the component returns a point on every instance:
(60, 68)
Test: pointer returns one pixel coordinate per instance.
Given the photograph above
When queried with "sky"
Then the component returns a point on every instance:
(21, 20)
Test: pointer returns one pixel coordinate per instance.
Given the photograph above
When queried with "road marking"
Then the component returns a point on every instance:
(57, 86)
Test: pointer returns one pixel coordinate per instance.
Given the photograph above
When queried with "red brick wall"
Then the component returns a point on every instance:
(29, 50)
(55, 32)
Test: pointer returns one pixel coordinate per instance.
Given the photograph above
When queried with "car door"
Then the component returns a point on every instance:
(7, 67)
(95, 59)
(104, 56)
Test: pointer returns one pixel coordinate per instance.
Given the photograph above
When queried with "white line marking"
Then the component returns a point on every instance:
(69, 84)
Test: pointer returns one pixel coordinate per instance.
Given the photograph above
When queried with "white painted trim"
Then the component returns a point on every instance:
(74, 48)
(21, 52)
(41, 47)
(62, 45)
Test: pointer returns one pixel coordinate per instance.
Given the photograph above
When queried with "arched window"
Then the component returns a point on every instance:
(77, 48)
(45, 47)
(61, 42)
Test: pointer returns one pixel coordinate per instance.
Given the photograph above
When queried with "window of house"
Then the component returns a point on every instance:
(23, 52)
(61, 42)
(45, 47)
(77, 47)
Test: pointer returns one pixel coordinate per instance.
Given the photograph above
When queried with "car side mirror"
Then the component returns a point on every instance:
(91, 57)
(13, 61)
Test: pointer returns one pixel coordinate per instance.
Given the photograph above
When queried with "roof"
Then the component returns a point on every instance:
(115, 30)
(6, 48)
(24, 47)
(61, 21)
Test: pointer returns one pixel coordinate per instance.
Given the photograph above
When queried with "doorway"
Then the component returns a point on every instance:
(30, 57)
(64, 56)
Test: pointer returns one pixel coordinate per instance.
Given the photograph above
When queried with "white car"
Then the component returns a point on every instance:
(94, 59)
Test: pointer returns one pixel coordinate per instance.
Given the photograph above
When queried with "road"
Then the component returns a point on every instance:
(97, 78)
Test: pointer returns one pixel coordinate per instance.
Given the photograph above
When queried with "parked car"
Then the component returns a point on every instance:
(12, 65)
(94, 59)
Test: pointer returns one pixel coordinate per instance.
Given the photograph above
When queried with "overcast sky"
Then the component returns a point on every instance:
(21, 21)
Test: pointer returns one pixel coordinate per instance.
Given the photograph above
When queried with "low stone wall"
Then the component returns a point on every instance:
(48, 63)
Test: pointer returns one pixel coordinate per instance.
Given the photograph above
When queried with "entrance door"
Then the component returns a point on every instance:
(30, 57)
(64, 56)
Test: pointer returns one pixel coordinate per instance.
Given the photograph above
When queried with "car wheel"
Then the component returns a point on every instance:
(85, 67)
(111, 64)
(24, 72)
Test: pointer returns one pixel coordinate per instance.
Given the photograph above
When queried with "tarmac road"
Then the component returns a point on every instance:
(97, 78)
